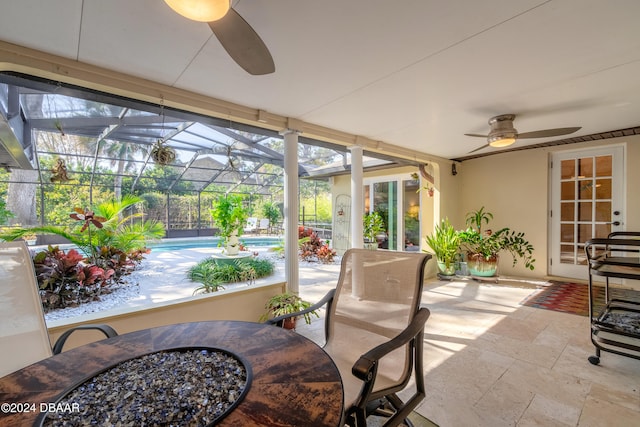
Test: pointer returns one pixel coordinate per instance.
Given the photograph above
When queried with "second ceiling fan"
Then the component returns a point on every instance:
(503, 133)
(237, 37)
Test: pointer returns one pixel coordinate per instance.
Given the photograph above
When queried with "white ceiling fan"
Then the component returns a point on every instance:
(237, 37)
(503, 133)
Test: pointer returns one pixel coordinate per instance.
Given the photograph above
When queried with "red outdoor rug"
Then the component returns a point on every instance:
(573, 298)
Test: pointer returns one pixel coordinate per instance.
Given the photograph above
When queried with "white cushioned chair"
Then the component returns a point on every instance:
(23, 332)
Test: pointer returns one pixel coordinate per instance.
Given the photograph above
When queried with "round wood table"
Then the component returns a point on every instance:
(295, 383)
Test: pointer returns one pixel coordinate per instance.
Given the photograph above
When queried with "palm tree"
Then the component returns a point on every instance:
(119, 230)
(123, 156)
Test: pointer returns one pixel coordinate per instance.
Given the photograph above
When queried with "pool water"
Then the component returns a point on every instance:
(211, 242)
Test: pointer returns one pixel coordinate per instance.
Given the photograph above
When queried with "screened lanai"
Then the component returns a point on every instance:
(67, 145)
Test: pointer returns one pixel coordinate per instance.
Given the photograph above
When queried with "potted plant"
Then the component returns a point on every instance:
(445, 244)
(229, 215)
(271, 212)
(287, 303)
(372, 226)
(483, 246)
(162, 154)
(30, 239)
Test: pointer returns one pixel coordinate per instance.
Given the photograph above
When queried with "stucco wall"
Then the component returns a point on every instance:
(514, 186)
(234, 304)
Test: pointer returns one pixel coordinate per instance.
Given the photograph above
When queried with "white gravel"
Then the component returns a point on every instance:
(118, 298)
(162, 277)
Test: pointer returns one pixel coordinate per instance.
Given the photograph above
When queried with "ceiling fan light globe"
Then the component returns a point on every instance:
(499, 141)
(200, 10)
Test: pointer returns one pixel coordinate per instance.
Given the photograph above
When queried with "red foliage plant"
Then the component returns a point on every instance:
(313, 248)
(65, 280)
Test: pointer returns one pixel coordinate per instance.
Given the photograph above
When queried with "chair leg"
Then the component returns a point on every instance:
(402, 409)
(391, 407)
(356, 417)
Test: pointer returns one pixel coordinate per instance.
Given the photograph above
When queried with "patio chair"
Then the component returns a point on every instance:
(374, 331)
(263, 226)
(252, 225)
(23, 332)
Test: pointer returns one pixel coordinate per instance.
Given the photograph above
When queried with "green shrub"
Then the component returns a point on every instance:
(213, 276)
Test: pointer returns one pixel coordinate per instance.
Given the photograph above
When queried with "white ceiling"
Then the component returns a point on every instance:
(413, 73)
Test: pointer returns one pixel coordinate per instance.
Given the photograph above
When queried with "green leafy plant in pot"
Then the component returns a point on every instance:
(445, 244)
(372, 226)
(483, 246)
(229, 215)
(271, 212)
(287, 303)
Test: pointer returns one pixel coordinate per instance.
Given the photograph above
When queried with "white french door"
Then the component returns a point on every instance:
(587, 201)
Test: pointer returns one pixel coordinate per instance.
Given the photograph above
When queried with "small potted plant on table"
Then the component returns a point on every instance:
(287, 303)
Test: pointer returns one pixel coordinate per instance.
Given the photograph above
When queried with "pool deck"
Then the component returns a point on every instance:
(163, 275)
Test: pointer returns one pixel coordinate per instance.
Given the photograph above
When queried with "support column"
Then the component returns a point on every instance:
(291, 209)
(357, 201)
(357, 212)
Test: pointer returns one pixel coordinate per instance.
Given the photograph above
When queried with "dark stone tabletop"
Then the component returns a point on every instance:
(294, 382)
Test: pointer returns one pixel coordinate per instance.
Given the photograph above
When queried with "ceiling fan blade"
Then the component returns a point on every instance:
(548, 132)
(476, 134)
(243, 44)
(478, 149)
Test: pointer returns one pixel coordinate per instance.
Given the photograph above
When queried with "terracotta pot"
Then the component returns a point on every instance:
(289, 323)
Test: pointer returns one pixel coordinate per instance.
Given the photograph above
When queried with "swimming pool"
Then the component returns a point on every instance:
(211, 242)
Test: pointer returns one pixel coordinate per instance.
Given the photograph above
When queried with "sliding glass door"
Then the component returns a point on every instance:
(398, 202)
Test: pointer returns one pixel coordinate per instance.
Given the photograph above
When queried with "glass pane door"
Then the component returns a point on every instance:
(586, 204)
(398, 203)
(411, 214)
(385, 202)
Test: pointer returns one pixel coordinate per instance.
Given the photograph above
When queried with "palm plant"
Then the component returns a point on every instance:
(123, 156)
(117, 230)
(445, 243)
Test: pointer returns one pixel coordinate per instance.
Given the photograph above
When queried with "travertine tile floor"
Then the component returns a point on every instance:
(491, 362)
(488, 360)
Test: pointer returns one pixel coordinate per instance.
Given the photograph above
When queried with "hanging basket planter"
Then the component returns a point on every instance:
(162, 154)
(59, 172)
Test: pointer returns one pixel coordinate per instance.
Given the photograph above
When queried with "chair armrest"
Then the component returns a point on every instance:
(327, 299)
(107, 330)
(366, 365)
